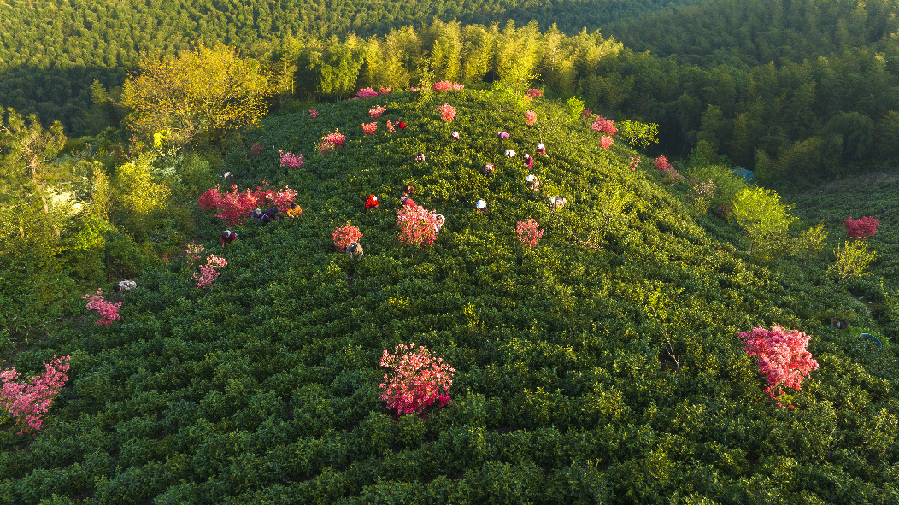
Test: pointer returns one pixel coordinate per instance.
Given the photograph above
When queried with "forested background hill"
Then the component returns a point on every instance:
(50, 51)
(800, 90)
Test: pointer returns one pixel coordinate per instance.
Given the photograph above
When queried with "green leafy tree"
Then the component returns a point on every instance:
(198, 95)
(340, 66)
(639, 134)
(30, 194)
(853, 258)
(765, 220)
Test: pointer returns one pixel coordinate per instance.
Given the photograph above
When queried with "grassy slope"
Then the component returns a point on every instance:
(266, 385)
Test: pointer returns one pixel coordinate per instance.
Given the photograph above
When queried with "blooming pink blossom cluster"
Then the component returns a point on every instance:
(331, 142)
(385, 90)
(208, 272)
(782, 356)
(365, 93)
(418, 379)
(234, 206)
(193, 252)
(291, 160)
(662, 164)
(635, 162)
(606, 142)
(534, 93)
(313, 113)
(28, 402)
(529, 232)
(109, 311)
(447, 112)
(370, 128)
(530, 117)
(861, 228)
(345, 235)
(418, 225)
(447, 86)
(375, 112)
(604, 125)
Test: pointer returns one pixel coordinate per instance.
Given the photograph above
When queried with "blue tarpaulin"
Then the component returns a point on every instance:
(749, 175)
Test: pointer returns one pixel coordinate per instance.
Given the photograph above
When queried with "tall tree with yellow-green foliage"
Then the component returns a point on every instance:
(199, 95)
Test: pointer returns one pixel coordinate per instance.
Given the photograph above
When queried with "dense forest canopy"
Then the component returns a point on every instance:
(748, 34)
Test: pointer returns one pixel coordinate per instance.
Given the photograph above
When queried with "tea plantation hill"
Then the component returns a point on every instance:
(264, 388)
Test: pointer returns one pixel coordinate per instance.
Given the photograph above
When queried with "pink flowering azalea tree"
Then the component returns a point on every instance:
(447, 86)
(418, 226)
(209, 272)
(603, 125)
(290, 160)
(530, 117)
(635, 162)
(366, 93)
(345, 235)
(662, 164)
(782, 355)
(417, 379)
(861, 228)
(606, 142)
(108, 311)
(331, 142)
(370, 128)
(28, 401)
(447, 112)
(375, 112)
(529, 232)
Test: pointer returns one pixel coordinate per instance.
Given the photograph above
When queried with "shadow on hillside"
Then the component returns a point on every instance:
(56, 93)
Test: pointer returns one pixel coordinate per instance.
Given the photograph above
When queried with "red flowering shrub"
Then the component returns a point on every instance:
(418, 379)
(235, 206)
(530, 117)
(331, 142)
(529, 232)
(447, 86)
(606, 142)
(662, 164)
(634, 162)
(447, 112)
(345, 235)
(861, 228)
(782, 356)
(370, 128)
(534, 93)
(375, 112)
